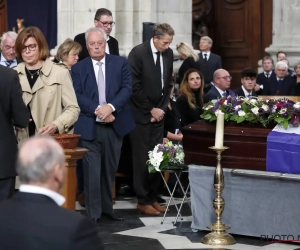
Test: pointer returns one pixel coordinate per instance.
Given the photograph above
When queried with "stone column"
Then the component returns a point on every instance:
(286, 35)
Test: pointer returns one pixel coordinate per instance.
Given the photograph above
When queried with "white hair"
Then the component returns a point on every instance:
(207, 38)
(283, 64)
(13, 35)
(95, 29)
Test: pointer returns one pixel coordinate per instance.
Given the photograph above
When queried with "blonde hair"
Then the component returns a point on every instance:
(187, 50)
(188, 92)
(65, 48)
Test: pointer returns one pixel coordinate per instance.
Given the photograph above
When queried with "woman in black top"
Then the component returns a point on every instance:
(297, 79)
(190, 100)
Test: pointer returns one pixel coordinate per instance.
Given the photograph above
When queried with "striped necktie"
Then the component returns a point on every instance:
(8, 63)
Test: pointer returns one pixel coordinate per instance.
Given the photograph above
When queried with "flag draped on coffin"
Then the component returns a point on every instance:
(283, 150)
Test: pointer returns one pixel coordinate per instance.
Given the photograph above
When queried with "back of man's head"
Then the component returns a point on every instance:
(41, 163)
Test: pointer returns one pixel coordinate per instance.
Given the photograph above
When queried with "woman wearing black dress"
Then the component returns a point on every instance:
(190, 100)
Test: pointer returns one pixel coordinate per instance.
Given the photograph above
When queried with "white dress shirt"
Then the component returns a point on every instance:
(106, 47)
(246, 92)
(3, 60)
(270, 73)
(207, 54)
(154, 50)
(56, 197)
(220, 91)
(96, 69)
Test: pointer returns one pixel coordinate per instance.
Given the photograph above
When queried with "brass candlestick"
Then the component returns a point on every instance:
(218, 235)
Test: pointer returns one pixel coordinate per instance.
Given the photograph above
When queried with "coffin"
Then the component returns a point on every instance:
(246, 142)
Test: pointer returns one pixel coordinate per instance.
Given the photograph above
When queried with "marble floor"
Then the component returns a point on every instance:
(140, 232)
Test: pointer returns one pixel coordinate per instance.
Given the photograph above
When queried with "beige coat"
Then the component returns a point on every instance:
(52, 98)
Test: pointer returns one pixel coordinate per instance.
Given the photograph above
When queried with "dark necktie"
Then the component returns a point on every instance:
(8, 63)
(205, 57)
(267, 75)
(224, 94)
(279, 85)
(158, 70)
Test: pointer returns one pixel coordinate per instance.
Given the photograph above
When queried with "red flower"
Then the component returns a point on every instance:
(222, 100)
(280, 105)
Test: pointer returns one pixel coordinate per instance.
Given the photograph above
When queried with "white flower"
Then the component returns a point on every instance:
(214, 101)
(208, 107)
(241, 113)
(297, 105)
(255, 110)
(237, 107)
(225, 102)
(253, 101)
(267, 100)
(282, 111)
(265, 107)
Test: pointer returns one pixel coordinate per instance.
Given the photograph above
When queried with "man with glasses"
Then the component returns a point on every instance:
(104, 20)
(221, 86)
(8, 54)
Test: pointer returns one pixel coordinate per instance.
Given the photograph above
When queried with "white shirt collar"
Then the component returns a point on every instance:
(154, 50)
(278, 79)
(56, 197)
(95, 62)
(220, 91)
(246, 92)
(270, 72)
(207, 53)
(3, 60)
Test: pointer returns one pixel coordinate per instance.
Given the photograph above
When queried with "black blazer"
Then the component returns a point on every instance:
(34, 222)
(112, 44)
(145, 92)
(13, 112)
(261, 79)
(286, 88)
(213, 93)
(208, 68)
(240, 92)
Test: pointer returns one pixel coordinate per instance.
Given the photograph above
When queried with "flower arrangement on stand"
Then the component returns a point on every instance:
(164, 155)
(254, 110)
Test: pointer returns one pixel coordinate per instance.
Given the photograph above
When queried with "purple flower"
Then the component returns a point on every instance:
(295, 119)
(260, 110)
(285, 115)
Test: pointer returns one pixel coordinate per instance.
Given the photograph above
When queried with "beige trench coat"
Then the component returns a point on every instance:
(52, 98)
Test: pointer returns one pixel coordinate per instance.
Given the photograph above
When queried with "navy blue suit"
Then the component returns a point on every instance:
(285, 88)
(213, 93)
(103, 140)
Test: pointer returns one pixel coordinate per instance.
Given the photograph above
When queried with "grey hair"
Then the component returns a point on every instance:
(95, 29)
(37, 158)
(280, 63)
(13, 35)
(207, 38)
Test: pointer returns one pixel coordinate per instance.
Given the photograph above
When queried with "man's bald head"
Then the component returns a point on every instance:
(37, 158)
(222, 79)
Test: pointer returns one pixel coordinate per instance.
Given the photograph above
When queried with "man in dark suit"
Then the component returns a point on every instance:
(280, 83)
(208, 62)
(103, 87)
(151, 66)
(263, 78)
(13, 112)
(33, 218)
(7, 49)
(104, 20)
(248, 81)
(221, 86)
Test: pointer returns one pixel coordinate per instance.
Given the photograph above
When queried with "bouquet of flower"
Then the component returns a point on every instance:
(253, 110)
(164, 155)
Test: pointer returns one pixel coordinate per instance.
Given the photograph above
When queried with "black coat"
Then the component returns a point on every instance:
(240, 92)
(286, 88)
(112, 44)
(34, 222)
(13, 112)
(261, 79)
(208, 68)
(146, 94)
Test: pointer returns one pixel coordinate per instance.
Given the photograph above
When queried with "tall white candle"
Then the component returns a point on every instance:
(219, 130)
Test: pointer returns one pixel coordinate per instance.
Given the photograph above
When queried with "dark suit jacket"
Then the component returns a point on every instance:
(145, 92)
(213, 93)
(208, 68)
(286, 88)
(34, 222)
(240, 92)
(13, 112)
(261, 79)
(118, 91)
(112, 44)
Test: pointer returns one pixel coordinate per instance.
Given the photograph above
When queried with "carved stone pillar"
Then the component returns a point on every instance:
(286, 35)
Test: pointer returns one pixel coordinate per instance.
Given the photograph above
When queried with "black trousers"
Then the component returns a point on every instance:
(7, 188)
(143, 139)
(100, 166)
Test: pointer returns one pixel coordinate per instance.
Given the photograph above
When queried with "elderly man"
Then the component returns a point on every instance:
(33, 218)
(104, 20)
(8, 54)
(280, 83)
(221, 86)
(102, 84)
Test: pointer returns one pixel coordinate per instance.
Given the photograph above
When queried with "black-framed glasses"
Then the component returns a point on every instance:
(30, 47)
(105, 24)
(226, 77)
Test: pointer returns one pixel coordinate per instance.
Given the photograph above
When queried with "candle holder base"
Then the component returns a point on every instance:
(218, 236)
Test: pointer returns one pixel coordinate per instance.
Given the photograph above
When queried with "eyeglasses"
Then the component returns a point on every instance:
(226, 77)
(30, 47)
(105, 24)
(96, 44)
(7, 47)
